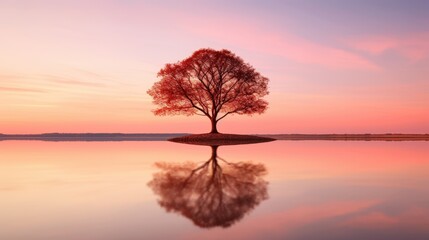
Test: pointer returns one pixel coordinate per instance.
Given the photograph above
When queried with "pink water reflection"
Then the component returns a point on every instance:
(318, 190)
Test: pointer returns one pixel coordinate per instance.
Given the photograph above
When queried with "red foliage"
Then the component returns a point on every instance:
(215, 193)
(210, 83)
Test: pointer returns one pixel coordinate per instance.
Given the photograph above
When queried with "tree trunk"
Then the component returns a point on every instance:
(213, 158)
(214, 126)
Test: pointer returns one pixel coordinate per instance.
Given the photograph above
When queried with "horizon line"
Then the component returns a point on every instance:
(149, 133)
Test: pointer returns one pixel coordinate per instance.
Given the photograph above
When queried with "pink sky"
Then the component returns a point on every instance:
(85, 66)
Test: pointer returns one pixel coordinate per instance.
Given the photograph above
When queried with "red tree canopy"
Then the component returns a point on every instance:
(215, 193)
(210, 83)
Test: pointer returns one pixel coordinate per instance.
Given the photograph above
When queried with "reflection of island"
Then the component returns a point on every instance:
(216, 193)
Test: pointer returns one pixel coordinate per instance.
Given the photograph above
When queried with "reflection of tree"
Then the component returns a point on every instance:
(210, 194)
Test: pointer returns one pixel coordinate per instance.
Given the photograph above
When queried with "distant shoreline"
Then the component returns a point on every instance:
(165, 136)
(351, 137)
(92, 137)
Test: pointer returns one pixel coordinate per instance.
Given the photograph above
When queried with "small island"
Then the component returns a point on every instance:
(217, 139)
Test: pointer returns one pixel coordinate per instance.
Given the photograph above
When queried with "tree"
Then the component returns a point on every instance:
(210, 83)
(216, 193)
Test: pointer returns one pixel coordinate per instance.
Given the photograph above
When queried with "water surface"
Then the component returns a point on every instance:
(276, 190)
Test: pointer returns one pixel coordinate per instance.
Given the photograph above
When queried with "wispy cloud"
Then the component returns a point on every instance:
(66, 80)
(285, 222)
(89, 73)
(19, 89)
(413, 47)
(371, 220)
(278, 42)
(76, 82)
(8, 77)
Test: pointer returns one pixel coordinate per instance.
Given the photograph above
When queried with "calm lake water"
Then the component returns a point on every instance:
(164, 190)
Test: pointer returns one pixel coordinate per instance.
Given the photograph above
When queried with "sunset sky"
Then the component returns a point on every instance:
(334, 66)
